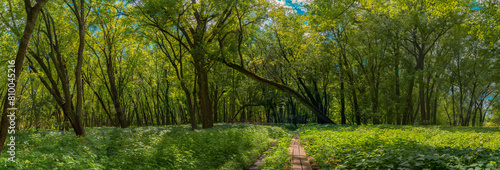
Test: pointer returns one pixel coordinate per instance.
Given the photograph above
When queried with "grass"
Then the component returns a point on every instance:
(278, 155)
(226, 146)
(402, 147)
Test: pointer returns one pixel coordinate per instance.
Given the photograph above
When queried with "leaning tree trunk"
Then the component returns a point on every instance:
(282, 88)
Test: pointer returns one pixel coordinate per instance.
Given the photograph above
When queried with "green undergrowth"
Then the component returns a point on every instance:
(226, 146)
(402, 147)
(277, 157)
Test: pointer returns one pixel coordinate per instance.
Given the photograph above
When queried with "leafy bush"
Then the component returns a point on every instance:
(402, 147)
(226, 146)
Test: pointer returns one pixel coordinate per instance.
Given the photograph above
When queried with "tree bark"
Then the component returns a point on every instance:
(409, 103)
(421, 92)
(80, 15)
(342, 103)
(115, 93)
(453, 105)
(203, 90)
(398, 91)
(471, 105)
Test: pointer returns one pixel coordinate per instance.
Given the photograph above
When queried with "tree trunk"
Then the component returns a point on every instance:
(356, 106)
(342, 103)
(421, 93)
(434, 112)
(32, 14)
(471, 105)
(460, 86)
(453, 105)
(78, 126)
(204, 95)
(398, 92)
(115, 95)
(375, 107)
(409, 103)
(475, 114)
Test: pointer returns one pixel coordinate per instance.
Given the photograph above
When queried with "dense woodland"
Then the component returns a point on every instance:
(93, 63)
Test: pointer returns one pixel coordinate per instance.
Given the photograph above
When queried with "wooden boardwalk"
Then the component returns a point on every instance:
(298, 155)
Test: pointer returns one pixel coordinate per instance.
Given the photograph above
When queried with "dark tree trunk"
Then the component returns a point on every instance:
(398, 91)
(471, 105)
(357, 113)
(453, 105)
(342, 103)
(421, 90)
(80, 15)
(204, 95)
(409, 103)
(356, 106)
(434, 112)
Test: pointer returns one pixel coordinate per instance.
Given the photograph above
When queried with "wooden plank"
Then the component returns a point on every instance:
(298, 156)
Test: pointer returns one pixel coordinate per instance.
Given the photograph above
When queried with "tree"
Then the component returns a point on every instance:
(60, 91)
(176, 56)
(112, 30)
(32, 15)
(79, 12)
(291, 50)
(200, 24)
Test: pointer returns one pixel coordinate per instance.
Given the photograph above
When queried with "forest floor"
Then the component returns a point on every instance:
(390, 147)
(238, 146)
(225, 146)
(402, 147)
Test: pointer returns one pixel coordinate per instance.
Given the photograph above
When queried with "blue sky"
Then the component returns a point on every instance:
(297, 5)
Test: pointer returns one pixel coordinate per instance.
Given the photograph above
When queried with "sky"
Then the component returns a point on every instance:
(297, 5)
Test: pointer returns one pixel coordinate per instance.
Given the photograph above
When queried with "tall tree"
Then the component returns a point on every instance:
(112, 44)
(79, 12)
(31, 18)
(60, 91)
(200, 23)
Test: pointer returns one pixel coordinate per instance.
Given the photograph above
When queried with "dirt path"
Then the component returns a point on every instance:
(298, 155)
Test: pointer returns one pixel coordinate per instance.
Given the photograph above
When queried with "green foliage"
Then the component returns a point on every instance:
(278, 155)
(402, 147)
(226, 146)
